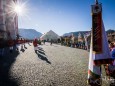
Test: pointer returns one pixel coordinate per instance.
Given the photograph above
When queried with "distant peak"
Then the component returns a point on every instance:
(51, 30)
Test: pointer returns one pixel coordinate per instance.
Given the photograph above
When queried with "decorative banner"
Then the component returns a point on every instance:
(97, 33)
(104, 57)
(100, 47)
(97, 28)
(94, 71)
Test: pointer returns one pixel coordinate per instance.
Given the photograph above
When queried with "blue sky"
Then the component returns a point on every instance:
(63, 16)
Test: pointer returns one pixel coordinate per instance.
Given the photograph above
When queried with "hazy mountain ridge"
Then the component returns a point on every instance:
(85, 32)
(29, 33)
(76, 33)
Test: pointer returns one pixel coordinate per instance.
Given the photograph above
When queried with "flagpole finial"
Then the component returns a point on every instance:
(96, 1)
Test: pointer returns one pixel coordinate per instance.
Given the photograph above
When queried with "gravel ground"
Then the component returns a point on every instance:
(52, 66)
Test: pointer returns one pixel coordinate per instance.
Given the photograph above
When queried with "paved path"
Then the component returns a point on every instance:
(52, 66)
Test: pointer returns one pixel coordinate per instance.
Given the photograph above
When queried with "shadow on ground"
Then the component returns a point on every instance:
(42, 55)
(23, 50)
(6, 62)
(41, 49)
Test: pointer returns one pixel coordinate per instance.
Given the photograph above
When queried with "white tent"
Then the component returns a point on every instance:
(51, 35)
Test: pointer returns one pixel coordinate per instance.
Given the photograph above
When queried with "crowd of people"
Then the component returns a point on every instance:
(80, 45)
(11, 45)
(110, 68)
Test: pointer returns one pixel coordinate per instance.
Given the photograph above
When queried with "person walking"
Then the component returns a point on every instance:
(35, 44)
(51, 42)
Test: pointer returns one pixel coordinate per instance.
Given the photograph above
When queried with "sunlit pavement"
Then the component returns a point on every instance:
(52, 66)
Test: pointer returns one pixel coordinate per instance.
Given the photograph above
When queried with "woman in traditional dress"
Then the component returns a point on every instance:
(35, 43)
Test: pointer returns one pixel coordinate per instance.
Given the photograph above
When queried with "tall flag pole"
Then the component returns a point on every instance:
(99, 49)
(96, 1)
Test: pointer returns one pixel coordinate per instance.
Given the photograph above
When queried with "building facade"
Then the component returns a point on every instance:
(8, 20)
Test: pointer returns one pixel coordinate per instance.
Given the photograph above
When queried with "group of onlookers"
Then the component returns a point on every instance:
(14, 44)
(110, 68)
(11, 45)
(80, 45)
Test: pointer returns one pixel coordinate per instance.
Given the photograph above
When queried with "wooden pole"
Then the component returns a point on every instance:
(96, 1)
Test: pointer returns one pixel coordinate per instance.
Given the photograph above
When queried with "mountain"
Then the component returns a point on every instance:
(76, 33)
(84, 32)
(29, 33)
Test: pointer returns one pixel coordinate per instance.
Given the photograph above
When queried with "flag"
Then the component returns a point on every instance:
(100, 48)
(103, 57)
(94, 71)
